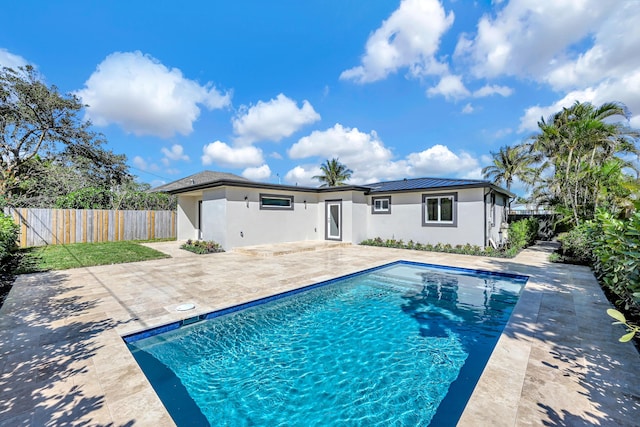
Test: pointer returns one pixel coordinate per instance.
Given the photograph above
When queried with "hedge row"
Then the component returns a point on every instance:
(8, 237)
(522, 233)
(612, 247)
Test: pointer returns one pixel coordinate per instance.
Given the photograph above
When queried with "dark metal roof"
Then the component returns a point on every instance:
(424, 184)
(209, 179)
(266, 186)
(203, 177)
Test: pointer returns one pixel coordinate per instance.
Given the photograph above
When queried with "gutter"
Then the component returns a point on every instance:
(260, 185)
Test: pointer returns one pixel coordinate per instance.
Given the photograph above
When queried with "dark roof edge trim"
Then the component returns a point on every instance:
(261, 185)
(364, 189)
(449, 187)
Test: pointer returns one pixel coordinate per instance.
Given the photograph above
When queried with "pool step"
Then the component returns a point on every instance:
(288, 248)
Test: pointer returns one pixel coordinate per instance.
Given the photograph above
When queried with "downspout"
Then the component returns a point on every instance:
(484, 224)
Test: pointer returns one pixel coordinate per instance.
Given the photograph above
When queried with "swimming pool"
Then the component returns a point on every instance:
(403, 344)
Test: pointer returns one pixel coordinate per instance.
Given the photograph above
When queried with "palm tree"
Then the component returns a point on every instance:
(509, 163)
(334, 173)
(580, 150)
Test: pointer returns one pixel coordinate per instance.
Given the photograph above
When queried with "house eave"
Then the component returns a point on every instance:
(447, 187)
(266, 186)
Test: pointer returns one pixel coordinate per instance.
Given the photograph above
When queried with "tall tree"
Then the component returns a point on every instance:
(334, 173)
(37, 124)
(508, 164)
(584, 152)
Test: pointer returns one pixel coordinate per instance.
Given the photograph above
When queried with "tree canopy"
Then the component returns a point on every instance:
(584, 157)
(333, 174)
(50, 156)
(508, 164)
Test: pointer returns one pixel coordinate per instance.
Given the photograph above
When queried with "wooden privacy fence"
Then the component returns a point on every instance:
(39, 227)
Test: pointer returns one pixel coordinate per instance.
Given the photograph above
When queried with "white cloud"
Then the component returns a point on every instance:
(410, 38)
(501, 133)
(175, 153)
(234, 157)
(585, 49)
(303, 176)
(489, 90)
(370, 160)
(451, 87)
(625, 89)
(349, 145)
(612, 54)
(260, 173)
(472, 174)
(438, 160)
(272, 120)
(143, 165)
(11, 60)
(364, 153)
(467, 109)
(527, 38)
(144, 97)
(140, 163)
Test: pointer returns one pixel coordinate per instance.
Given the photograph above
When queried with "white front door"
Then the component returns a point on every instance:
(334, 220)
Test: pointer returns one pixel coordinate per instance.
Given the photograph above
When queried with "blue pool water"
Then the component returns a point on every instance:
(401, 345)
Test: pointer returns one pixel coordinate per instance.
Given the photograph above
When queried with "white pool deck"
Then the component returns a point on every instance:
(63, 361)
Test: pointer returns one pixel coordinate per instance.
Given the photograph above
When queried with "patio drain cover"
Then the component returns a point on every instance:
(185, 307)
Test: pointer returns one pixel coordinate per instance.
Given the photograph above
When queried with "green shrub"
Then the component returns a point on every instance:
(576, 245)
(8, 236)
(523, 233)
(442, 247)
(615, 247)
(202, 247)
(85, 198)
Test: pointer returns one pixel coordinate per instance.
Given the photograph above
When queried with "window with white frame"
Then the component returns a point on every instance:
(381, 205)
(439, 209)
(276, 202)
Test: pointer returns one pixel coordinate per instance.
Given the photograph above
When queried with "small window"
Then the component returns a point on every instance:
(276, 202)
(439, 209)
(381, 205)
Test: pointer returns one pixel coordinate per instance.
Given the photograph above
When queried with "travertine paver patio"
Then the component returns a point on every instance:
(63, 362)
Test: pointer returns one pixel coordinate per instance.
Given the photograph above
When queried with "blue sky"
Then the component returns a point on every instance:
(269, 90)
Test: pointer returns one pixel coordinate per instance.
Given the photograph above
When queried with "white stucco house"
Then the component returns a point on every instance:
(236, 212)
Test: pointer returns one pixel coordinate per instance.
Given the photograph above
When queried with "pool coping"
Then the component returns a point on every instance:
(157, 330)
(62, 357)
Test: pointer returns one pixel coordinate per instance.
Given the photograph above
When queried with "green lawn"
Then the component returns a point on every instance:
(62, 257)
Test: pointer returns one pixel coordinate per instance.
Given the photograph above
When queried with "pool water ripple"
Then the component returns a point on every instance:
(378, 349)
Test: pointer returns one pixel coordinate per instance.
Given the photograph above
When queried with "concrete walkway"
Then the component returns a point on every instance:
(63, 362)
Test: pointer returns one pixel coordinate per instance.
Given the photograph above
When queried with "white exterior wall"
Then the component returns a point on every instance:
(361, 210)
(187, 217)
(245, 224)
(233, 221)
(214, 216)
(405, 220)
(354, 214)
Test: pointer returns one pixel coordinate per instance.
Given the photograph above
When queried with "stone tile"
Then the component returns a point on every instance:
(499, 386)
(143, 408)
(21, 420)
(63, 361)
